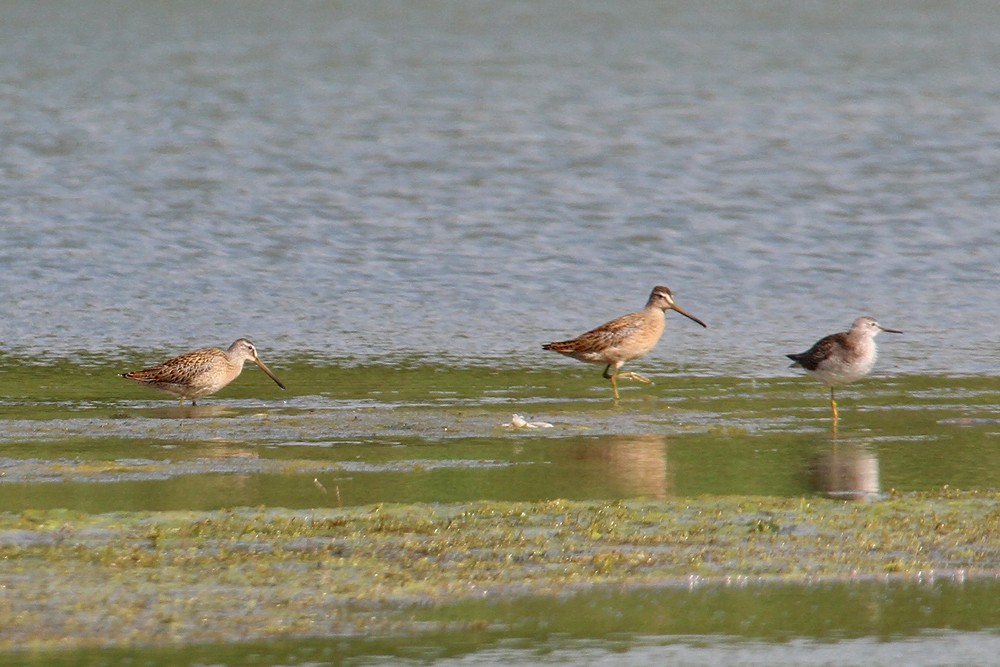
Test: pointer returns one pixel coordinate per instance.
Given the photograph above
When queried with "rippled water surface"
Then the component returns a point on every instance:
(477, 178)
(399, 202)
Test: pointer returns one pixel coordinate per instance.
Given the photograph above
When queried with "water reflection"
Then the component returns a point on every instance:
(222, 449)
(192, 412)
(637, 464)
(848, 471)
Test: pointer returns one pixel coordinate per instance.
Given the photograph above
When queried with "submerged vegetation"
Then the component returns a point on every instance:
(226, 575)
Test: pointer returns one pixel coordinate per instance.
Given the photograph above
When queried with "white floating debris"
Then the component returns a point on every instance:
(517, 421)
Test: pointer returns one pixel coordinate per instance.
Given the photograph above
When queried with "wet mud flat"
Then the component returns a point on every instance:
(71, 580)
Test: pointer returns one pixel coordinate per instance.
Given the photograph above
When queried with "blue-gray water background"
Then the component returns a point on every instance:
(372, 179)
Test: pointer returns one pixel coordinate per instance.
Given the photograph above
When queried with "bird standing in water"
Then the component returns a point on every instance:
(202, 372)
(623, 339)
(843, 357)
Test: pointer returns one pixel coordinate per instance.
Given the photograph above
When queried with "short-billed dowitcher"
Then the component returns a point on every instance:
(202, 372)
(623, 339)
(843, 357)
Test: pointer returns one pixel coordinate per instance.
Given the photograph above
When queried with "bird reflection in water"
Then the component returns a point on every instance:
(634, 464)
(847, 471)
(192, 411)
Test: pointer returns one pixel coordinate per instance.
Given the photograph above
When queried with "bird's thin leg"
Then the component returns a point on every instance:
(611, 376)
(833, 404)
(636, 377)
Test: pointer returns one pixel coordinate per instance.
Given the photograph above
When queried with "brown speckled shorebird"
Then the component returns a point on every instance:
(842, 357)
(202, 372)
(623, 339)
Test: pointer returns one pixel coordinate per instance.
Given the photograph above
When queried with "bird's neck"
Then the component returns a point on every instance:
(862, 345)
(657, 314)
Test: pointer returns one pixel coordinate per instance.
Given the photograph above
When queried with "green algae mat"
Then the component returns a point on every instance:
(191, 577)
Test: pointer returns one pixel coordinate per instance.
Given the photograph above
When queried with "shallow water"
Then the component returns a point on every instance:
(399, 204)
(939, 623)
(444, 436)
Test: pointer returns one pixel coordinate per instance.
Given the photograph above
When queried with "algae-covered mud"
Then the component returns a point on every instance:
(197, 577)
(400, 510)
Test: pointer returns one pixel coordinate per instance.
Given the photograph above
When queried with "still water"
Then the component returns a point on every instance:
(400, 202)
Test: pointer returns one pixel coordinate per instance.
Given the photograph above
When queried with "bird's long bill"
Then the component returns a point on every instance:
(267, 370)
(688, 315)
(889, 330)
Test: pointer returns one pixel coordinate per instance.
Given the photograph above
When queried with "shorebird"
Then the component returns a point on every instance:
(623, 339)
(843, 357)
(202, 372)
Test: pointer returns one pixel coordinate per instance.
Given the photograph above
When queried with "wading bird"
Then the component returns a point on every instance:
(202, 372)
(623, 339)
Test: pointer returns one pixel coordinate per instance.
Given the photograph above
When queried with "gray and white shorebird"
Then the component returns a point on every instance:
(202, 372)
(844, 357)
(623, 339)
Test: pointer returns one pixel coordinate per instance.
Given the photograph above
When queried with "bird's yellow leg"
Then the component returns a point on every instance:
(833, 405)
(636, 377)
(628, 376)
(612, 376)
